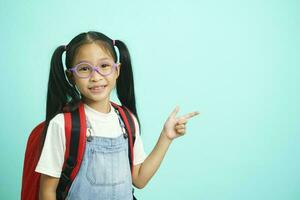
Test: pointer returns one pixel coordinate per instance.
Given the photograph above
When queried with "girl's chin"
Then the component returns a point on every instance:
(95, 99)
(97, 96)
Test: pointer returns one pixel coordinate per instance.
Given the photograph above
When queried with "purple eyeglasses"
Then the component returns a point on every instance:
(85, 69)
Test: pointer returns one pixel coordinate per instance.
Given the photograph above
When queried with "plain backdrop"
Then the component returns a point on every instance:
(236, 62)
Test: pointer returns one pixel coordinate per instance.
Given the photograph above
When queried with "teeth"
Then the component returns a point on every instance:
(97, 87)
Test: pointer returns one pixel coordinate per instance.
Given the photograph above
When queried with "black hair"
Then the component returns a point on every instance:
(62, 95)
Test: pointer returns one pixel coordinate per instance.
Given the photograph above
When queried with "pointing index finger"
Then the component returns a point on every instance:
(190, 115)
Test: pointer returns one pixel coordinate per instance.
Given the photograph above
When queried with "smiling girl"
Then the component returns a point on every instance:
(91, 73)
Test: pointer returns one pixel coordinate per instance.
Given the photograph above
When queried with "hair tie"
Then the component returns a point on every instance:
(114, 42)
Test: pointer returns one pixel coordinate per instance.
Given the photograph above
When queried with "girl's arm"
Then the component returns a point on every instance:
(48, 185)
(174, 127)
(144, 172)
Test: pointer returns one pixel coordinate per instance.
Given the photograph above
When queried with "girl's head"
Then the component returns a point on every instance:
(91, 58)
(70, 84)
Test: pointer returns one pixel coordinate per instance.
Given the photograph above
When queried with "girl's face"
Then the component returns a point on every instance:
(96, 88)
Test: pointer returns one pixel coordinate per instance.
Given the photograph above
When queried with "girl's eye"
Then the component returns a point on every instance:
(104, 65)
(84, 68)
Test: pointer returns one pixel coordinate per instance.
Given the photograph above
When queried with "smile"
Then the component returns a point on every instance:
(98, 89)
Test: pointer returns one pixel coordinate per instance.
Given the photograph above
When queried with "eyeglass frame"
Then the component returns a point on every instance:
(94, 68)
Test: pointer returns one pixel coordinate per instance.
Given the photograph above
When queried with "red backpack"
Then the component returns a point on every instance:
(75, 132)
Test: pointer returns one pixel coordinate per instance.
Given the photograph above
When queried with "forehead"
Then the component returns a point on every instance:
(92, 52)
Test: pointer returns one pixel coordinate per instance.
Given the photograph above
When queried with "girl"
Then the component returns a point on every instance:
(92, 73)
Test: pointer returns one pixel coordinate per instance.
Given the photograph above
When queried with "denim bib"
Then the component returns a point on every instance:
(104, 173)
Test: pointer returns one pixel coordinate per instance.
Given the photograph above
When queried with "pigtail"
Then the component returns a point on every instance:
(61, 95)
(60, 91)
(125, 81)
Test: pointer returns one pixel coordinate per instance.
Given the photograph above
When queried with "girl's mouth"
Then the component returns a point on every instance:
(98, 89)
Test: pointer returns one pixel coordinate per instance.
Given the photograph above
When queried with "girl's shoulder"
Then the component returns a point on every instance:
(134, 119)
(58, 120)
(56, 130)
(137, 127)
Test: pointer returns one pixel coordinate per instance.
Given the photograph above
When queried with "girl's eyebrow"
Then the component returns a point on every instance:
(105, 58)
(85, 61)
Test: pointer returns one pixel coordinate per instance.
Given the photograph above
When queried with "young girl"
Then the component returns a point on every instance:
(92, 72)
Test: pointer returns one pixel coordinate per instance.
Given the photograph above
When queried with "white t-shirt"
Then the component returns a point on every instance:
(103, 124)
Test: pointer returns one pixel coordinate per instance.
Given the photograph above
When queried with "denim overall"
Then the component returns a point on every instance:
(104, 173)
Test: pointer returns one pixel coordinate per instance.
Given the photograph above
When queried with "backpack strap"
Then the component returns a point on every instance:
(130, 129)
(75, 132)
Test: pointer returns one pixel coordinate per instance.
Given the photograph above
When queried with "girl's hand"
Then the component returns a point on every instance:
(175, 126)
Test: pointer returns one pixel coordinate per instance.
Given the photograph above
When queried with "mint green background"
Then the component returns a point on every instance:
(237, 62)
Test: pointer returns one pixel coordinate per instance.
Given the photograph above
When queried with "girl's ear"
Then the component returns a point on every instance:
(118, 69)
(70, 77)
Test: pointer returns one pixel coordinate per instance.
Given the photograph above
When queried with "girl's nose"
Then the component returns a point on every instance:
(96, 76)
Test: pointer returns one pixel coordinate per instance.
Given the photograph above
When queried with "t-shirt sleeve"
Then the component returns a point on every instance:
(52, 156)
(138, 149)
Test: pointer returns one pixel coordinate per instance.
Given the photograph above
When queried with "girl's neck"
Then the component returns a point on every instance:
(100, 106)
